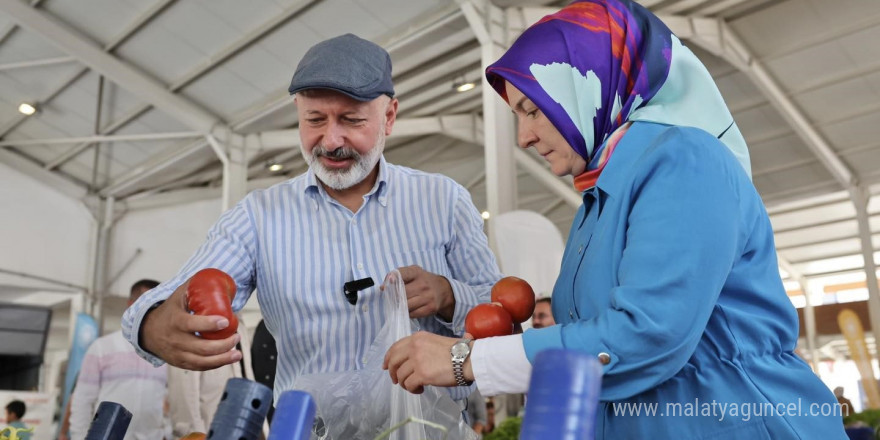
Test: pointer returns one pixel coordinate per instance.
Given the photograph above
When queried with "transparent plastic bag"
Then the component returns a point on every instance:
(364, 404)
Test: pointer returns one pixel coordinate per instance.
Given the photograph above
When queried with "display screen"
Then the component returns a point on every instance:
(23, 329)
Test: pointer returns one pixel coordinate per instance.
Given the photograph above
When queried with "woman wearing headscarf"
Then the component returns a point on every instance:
(669, 275)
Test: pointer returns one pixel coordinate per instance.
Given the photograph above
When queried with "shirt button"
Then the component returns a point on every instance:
(604, 358)
(364, 360)
(581, 249)
(365, 308)
(361, 266)
(354, 221)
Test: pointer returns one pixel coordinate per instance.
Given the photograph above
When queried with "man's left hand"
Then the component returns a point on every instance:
(427, 294)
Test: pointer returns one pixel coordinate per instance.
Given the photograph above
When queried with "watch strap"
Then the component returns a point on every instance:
(458, 367)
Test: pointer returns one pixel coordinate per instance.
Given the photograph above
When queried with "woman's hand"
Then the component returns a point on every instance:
(423, 359)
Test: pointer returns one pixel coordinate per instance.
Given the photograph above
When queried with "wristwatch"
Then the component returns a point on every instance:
(460, 351)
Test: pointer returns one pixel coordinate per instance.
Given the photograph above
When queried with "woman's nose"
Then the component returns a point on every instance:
(524, 136)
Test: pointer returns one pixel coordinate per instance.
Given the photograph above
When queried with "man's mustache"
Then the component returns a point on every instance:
(340, 153)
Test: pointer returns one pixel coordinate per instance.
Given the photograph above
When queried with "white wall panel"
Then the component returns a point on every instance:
(166, 236)
(42, 232)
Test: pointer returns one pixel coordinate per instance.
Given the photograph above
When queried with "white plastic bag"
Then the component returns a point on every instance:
(363, 404)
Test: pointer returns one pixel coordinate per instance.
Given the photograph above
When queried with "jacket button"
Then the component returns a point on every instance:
(604, 358)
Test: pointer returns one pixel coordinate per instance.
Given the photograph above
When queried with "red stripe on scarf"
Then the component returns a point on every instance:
(588, 179)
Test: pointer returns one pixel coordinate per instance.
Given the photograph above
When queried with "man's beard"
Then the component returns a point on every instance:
(340, 179)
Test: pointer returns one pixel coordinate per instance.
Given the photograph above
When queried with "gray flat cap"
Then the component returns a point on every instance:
(348, 64)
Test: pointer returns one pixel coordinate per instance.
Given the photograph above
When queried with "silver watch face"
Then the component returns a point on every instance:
(460, 349)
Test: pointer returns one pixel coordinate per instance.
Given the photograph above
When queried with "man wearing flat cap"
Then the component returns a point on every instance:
(351, 216)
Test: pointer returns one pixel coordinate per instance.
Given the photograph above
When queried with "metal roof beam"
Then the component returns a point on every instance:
(152, 166)
(101, 138)
(123, 74)
(254, 114)
(25, 166)
(123, 36)
(9, 28)
(716, 36)
(37, 63)
(717, 6)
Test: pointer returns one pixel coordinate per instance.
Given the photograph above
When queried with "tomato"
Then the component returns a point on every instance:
(210, 292)
(516, 296)
(194, 436)
(487, 320)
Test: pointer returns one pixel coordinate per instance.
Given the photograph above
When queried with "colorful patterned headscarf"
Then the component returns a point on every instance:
(597, 64)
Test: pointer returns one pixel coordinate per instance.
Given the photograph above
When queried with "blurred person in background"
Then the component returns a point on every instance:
(543, 315)
(111, 371)
(14, 413)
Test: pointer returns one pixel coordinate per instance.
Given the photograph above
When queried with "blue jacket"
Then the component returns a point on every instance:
(670, 269)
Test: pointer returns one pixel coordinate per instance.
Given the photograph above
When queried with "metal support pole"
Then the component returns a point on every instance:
(97, 131)
(235, 170)
(860, 197)
(809, 311)
(486, 21)
(100, 264)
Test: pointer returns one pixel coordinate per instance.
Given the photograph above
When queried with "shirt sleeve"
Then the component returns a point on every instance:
(230, 247)
(500, 365)
(83, 401)
(683, 237)
(471, 262)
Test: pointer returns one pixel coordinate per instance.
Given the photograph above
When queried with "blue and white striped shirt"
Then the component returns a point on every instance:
(297, 246)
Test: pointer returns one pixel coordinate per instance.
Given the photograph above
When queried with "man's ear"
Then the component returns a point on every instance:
(390, 115)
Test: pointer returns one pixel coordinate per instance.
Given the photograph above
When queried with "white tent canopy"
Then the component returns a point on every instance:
(154, 115)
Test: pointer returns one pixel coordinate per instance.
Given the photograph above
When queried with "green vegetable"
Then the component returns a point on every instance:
(507, 430)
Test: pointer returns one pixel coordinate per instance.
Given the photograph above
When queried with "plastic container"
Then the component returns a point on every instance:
(294, 416)
(110, 422)
(241, 412)
(562, 398)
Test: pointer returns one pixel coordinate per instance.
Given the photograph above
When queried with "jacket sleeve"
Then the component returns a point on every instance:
(683, 236)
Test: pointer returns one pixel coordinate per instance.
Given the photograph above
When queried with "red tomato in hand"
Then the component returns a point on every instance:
(487, 320)
(210, 292)
(516, 296)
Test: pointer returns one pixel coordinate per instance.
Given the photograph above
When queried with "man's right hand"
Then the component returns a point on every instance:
(168, 332)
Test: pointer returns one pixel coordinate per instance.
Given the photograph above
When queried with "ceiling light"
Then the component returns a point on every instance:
(464, 87)
(275, 166)
(461, 84)
(27, 109)
(485, 215)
